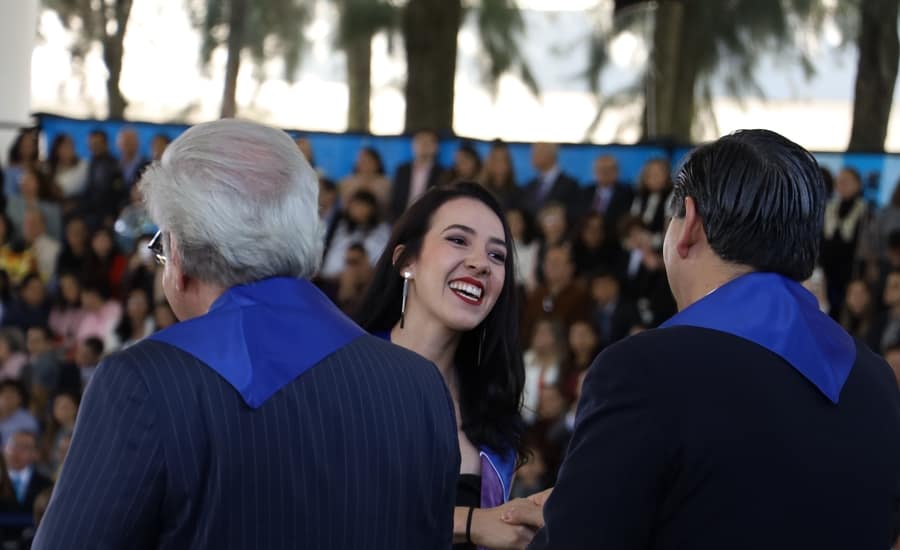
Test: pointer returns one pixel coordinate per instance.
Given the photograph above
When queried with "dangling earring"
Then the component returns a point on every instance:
(406, 277)
(480, 346)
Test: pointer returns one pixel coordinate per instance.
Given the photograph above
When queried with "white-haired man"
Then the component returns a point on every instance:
(265, 419)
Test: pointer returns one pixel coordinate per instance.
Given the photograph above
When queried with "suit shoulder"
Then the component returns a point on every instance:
(373, 349)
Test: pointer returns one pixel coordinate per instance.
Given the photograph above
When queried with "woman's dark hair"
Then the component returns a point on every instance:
(667, 168)
(490, 388)
(379, 164)
(59, 300)
(761, 199)
(15, 150)
(53, 156)
(467, 149)
(368, 198)
(508, 184)
(126, 329)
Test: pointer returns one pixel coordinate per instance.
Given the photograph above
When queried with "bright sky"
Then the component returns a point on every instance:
(164, 82)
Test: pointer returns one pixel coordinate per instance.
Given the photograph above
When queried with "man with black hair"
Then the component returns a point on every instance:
(750, 419)
(105, 186)
(14, 415)
(413, 178)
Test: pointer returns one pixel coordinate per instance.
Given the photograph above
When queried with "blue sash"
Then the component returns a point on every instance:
(783, 317)
(261, 336)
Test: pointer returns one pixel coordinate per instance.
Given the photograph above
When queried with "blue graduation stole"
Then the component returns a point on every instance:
(780, 315)
(261, 336)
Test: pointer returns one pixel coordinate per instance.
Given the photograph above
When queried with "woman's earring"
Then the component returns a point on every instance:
(406, 277)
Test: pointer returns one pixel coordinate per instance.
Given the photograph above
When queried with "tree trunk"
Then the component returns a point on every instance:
(359, 82)
(429, 32)
(661, 95)
(112, 56)
(236, 23)
(876, 74)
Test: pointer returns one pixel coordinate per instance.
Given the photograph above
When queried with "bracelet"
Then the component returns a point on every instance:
(469, 526)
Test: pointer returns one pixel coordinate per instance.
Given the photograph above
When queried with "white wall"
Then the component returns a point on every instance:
(18, 28)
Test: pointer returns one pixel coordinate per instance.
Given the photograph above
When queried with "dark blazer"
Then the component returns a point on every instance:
(36, 485)
(693, 438)
(564, 190)
(360, 451)
(401, 186)
(618, 206)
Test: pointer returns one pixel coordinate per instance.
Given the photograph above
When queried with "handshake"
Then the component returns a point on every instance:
(509, 526)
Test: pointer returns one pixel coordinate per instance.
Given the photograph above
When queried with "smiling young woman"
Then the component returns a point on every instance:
(444, 288)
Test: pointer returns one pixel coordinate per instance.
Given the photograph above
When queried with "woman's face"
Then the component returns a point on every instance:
(553, 225)
(582, 339)
(858, 297)
(76, 233)
(137, 306)
(497, 164)
(29, 185)
(365, 163)
(66, 152)
(516, 224)
(543, 340)
(655, 176)
(459, 273)
(847, 186)
(64, 410)
(102, 244)
(593, 232)
(71, 290)
(466, 166)
(360, 211)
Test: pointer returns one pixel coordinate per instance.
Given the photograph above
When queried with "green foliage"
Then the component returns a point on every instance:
(499, 26)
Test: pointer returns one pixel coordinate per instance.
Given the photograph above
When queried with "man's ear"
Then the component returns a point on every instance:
(692, 231)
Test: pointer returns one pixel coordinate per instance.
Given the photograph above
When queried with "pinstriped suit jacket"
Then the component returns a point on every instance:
(359, 452)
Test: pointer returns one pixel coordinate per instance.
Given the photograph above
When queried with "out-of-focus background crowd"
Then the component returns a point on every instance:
(77, 281)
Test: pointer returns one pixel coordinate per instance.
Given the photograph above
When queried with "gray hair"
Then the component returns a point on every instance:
(241, 202)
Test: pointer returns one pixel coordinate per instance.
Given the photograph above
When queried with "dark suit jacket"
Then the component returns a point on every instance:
(618, 207)
(693, 438)
(564, 190)
(360, 451)
(402, 183)
(36, 485)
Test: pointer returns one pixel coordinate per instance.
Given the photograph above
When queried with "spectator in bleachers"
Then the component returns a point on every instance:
(305, 145)
(133, 222)
(15, 260)
(360, 222)
(106, 265)
(59, 452)
(102, 315)
(329, 206)
(60, 422)
(858, 312)
(552, 184)
(23, 156)
(131, 162)
(14, 415)
(368, 175)
(412, 179)
(9, 508)
(543, 362)
(66, 171)
(21, 454)
(607, 195)
(40, 508)
(650, 201)
(44, 247)
(584, 343)
(29, 197)
(593, 248)
(87, 356)
(886, 329)
(526, 248)
(613, 315)
(886, 221)
(66, 314)
(499, 176)
(466, 165)
(354, 279)
(643, 274)
(105, 186)
(561, 297)
(75, 249)
(158, 146)
(12, 353)
(30, 306)
(43, 373)
(553, 224)
(141, 270)
(137, 323)
(846, 217)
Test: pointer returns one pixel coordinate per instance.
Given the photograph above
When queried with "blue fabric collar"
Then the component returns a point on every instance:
(783, 317)
(261, 336)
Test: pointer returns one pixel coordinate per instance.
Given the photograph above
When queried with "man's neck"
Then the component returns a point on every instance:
(710, 278)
